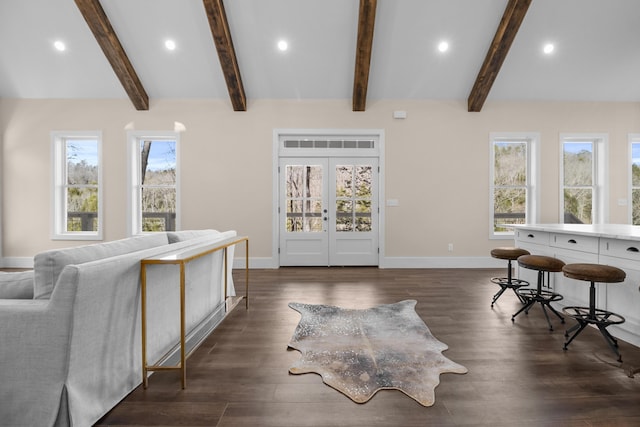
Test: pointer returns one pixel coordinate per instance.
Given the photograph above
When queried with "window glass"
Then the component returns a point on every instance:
(510, 180)
(82, 184)
(635, 182)
(158, 185)
(154, 199)
(578, 181)
(77, 186)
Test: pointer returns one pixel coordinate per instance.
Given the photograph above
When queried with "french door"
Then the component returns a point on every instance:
(328, 211)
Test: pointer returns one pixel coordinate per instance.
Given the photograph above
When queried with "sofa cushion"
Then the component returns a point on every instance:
(16, 285)
(181, 236)
(49, 264)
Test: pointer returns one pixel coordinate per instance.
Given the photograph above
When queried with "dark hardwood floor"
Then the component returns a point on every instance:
(518, 373)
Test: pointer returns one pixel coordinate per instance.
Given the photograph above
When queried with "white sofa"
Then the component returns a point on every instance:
(70, 342)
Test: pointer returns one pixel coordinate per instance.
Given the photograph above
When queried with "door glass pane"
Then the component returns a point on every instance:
(314, 181)
(363, 215)
(304, 198)
(344, 181)
(294, 215)
(353, 198)
(295, 181)
(363, 182)
(313, 216)
(344, 215)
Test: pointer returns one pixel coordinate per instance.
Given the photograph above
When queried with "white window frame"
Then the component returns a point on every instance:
(600, 186)
(634, 138)
(532, 140)
(134, 214)
(59, 181)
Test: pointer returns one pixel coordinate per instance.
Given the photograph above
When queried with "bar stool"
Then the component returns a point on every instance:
(542, 264)
(591, 315)
(510, 254)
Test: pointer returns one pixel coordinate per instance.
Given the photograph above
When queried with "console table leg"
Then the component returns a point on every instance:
(183, 365)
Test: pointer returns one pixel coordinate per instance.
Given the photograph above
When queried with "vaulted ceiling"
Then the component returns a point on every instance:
(360, 49)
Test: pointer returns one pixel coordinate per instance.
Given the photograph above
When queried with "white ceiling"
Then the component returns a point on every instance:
(597, 55)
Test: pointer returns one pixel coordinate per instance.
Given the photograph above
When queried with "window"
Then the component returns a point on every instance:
(634, 188)
(153, 173)
(583, 191)
(77, 193)
(513, 195)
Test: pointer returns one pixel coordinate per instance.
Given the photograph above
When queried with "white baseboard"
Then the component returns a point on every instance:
(388, 262)
(260, 262)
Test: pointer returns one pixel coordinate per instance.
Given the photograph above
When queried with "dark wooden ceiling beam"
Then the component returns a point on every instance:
(108, 40)
(226, 53)
(366, 21)
(505, 34)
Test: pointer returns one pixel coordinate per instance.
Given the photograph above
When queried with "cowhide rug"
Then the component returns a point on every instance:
(359, 352)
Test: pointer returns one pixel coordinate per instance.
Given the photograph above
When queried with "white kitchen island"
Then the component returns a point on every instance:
(612, 244)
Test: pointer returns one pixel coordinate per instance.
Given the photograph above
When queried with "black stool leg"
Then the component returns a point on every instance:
(580, 326)
(524, 308)
(510, 279)
(554, 311)
(520, 297)
(613, 344)
(538, 297)
(592, 317)
(506, 284)
(498, 294)
(544, 310)
(531, 300)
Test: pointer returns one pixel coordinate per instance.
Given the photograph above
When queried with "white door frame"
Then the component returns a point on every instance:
(278, 152)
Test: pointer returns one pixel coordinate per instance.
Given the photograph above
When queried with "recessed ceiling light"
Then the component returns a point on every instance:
(170, 44)
(59, 46)
(443, 46)
(283, 45)
(548, 48)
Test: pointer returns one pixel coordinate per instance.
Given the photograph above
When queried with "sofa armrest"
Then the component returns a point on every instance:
(34, 354)
(16, 285)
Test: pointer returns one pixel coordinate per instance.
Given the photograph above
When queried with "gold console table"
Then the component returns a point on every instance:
(182, 257)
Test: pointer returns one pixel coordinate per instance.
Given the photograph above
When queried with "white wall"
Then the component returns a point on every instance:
(436, 165)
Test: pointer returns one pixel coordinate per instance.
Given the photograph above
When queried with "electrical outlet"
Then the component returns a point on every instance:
(450, 247)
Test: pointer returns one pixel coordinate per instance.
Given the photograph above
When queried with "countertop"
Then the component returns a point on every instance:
(613, 231)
